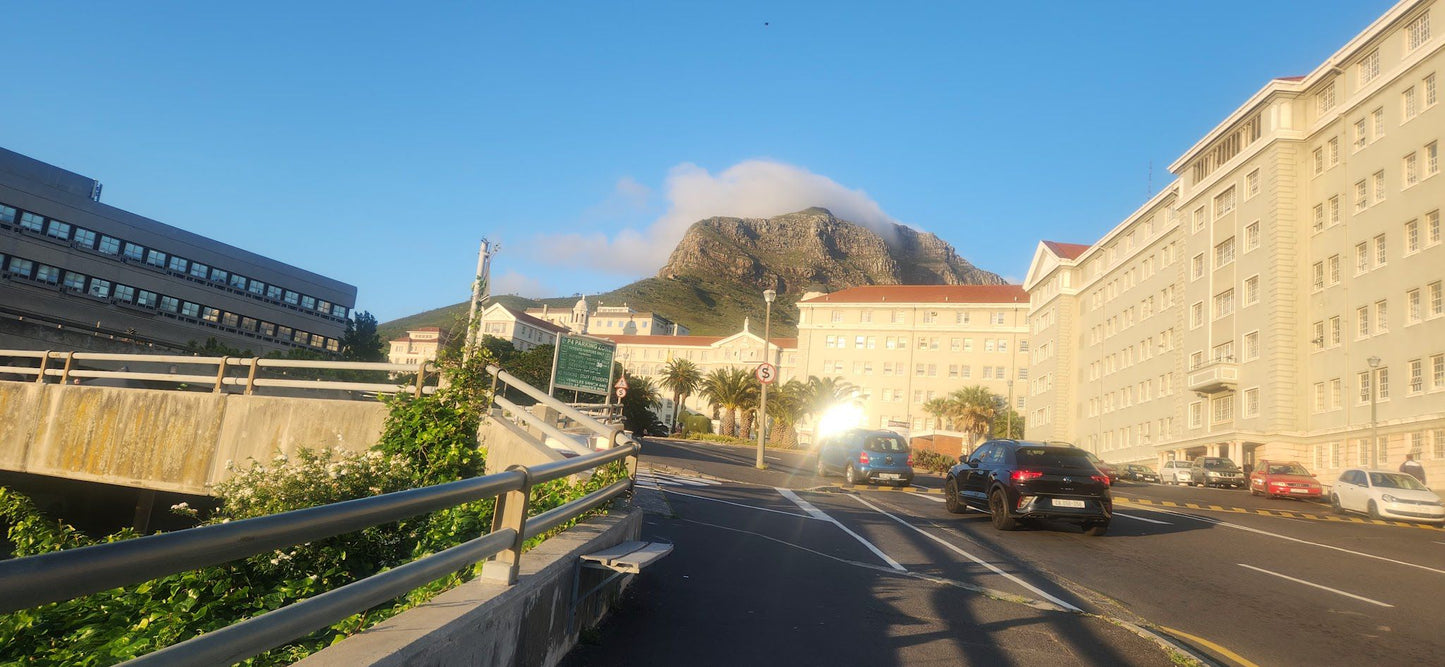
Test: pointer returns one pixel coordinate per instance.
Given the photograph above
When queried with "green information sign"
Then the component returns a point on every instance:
(583, 364)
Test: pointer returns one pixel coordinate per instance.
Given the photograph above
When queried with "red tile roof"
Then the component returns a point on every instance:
(1066, 250)
(926, 294)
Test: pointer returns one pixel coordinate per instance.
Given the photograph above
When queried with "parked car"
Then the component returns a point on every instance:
(1138, 473)
(1018, 481)
(1215, 471)
(1284, 479)
(1175, 472)
(1108, 469)
(866, 456)
(1384, 494)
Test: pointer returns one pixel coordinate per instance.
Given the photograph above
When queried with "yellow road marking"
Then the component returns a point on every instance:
(1277, 513)
(872, 487)
(1237, 658)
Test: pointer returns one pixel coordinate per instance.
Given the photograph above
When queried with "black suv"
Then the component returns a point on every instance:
(1017, 481)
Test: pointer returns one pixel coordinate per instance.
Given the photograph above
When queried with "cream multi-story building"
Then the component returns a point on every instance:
(1292, 270)
(620, 320)
(522, 330)
(648, 356)
(902, 345)
(416, 346)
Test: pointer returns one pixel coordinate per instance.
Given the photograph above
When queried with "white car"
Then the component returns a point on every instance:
(1174, 472)
(1384, 494)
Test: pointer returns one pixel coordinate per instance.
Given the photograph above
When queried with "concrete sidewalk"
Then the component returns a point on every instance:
(735, 593)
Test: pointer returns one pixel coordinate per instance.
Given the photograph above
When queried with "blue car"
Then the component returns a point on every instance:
(864, 456)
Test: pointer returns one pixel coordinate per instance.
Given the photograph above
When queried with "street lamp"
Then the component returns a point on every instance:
(1374, 362)
(768, 296)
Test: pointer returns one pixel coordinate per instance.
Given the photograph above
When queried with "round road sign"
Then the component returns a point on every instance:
(621, 391)
(767, 373)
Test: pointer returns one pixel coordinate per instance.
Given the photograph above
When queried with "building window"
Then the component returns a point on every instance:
(1379, 179)
(238, 281)
(1319, 339)
(1432, 227)
(1251, 185)
(169, 304)
(1408, 108)
(1325, 99)
(1332, 150)
(1197, 271)
(1318, 274)
(1224, 202)
(256, 287)
(1412, 306)
(1334, 210)
(1335, 331)
(1429, 85)
(148, 299)
(177, 264)
(1377, 123)
(1409, 166)
(267, 329)
(1369, 67)
(230, 319)
(1432, 158)
(1337, 392)
(1437, 308)
(292, 297)
(1382, 324)
(1223, 409)
(1319, 390)
(32, 222)
(1224, 252)
(1251, 290)
(1319, 217)
(1437, 371)
(1417, 32)
(1363, 378)
(1362, 319)
(837, 315)
(219, 276)
(7, 214)
(1417, 376)
(1224, 303)
(1196, 414)
(199, 270)
(124, 293)
(1382, 382)
(1333, 264)
(1412, 236)
(99, 288)
(109, 245)
(74, 281)
(133, 251)
(1200, 217)
(190, 309)
(1362, 258)
(1379, 251)
(1196, 315)
(1362, 196)
(59, 230)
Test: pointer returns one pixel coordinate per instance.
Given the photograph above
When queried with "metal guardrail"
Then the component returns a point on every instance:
(63, 575)
(62, 366)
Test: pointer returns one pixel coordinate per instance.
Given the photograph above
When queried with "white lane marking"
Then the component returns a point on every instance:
(1323, 588)
(972, 557)
(685, 481)
(936, 500)
(1140, 518)
(820, 514)
(751, 507)
(1236, 526)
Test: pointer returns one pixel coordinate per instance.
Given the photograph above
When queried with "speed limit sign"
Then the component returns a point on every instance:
(767, 373)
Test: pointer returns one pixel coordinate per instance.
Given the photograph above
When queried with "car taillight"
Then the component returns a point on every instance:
(862, 458)
(1102, 479)
(1025, 475)
(910, 459)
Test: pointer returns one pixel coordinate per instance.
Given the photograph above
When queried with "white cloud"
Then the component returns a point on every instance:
(512, 282)
(628, 198)
(749, 189)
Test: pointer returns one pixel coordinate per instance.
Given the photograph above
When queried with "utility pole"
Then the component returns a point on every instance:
(768, 296)
(481, 291)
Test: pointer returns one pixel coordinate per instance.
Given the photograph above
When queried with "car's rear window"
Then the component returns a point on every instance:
(883, 443)
(1219, 464)
(1288, 469)
(1052, 457)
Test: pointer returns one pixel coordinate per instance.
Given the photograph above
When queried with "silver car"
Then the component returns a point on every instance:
(1174, 472)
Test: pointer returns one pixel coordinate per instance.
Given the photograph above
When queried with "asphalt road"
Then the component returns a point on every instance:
(889, 577)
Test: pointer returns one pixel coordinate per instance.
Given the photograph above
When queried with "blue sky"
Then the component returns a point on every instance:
(376, 143)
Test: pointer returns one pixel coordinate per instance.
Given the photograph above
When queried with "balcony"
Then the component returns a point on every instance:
(1214, 377)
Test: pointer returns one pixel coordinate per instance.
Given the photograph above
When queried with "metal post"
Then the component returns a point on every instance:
(65, 372)
(511, 512)
(420, 377)
(44, 362)
(768, 296)
(556, 347)
(220, 375)
(480, 291)
(251, 376)
(1374, 423)
(1010, 413)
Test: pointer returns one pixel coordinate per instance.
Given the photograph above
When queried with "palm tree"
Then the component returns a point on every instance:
(727, 389)
(824, 393)
(785, 406)
(751, 393)
(973, 411)
(941, 409)
(637, 406)
(682, 378)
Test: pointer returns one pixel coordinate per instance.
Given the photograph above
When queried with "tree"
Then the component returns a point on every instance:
(727, 388)
(360, 342)
(1008, 424)
(821, 394)
(682, 378)
(748, 406)
(637, 405)
(973, 411)
(941, 409)
(785, 407)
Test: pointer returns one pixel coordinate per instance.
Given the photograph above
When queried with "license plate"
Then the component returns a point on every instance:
(1061, 502)
(1299, 490)
(888, 475)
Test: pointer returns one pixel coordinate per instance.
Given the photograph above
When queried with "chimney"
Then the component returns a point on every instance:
(544, 310)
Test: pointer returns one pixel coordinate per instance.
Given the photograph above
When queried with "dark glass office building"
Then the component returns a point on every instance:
(69, 260)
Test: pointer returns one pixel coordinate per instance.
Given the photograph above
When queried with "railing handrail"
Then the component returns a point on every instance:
(220, 365)
(539, 423)
(597, 427)
(63, 575)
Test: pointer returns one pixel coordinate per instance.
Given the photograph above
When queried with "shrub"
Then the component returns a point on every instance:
(428, 440)
(933, 461)
(696, 424)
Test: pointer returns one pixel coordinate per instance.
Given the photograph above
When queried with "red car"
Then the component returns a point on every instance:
(1283, 479)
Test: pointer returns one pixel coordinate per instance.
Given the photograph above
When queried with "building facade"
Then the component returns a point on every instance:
(1288, 278)
(609, 320)
(66, 258)
(903, 345)
(522, 330)
(416, 346)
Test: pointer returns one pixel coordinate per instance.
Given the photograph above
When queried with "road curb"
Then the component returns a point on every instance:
(1285, 514)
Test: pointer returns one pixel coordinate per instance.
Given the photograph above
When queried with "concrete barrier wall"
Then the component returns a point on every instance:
(486, 623)
(166, 440)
